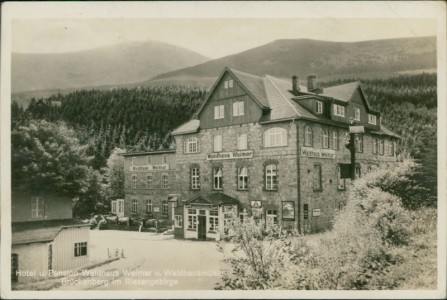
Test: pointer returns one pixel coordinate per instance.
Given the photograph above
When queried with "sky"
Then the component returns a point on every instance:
(212, 38)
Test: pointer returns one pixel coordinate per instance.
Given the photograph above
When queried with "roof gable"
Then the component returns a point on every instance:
(251, 84)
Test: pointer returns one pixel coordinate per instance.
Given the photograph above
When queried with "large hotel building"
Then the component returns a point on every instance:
(259, 144)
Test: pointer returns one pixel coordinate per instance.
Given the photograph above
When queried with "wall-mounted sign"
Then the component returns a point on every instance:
(316, 212)
(230, 155)
(256, 204)
(318, 153)
(160, 167)
(288, 210)
(356, 129)
(306, 211)
(156, 209)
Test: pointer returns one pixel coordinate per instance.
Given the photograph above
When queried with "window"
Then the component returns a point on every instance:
(382, 147)
(243, 215)
(149, 206)
(214, 220)
(391, 148)
(113, 203)
(319, 107)
(217, 143)
(238, 108)
(356, 114)
(242, 143)
(274, 137)
(375, 145)
(134, 161)
(335, 140)
(242, 178)
(178, 221)
(192, 219)
(192, 145)
(228, 83)
(164, 159)
(317, 182)
(195, 179)
(149, 181)
(271, 175)
(164, 181)
(341, 183)
(219, 112)
(372, 119)
(134, 206)
(80, 249)
(271, 216)
(164, 207)
(37, 207)
(217, 174)
(308, 136)
(359, 143)
(325, 138)
(134, 181)
(339, 110)
(149, 160)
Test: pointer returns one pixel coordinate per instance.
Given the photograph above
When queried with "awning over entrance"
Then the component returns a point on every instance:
(212, 199)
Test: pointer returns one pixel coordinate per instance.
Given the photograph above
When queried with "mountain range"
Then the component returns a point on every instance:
(328, 60)
(112, 65)
(155, 63)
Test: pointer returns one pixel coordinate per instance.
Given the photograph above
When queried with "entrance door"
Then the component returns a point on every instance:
(202, 227)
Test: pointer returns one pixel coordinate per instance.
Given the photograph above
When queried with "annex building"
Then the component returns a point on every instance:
(45, 237)
(264, 144)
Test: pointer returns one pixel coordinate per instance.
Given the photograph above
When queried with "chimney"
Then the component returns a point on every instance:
(295, 86)
(311, 83)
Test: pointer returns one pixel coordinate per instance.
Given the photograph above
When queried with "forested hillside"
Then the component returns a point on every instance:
(136, 119)
(141, 119)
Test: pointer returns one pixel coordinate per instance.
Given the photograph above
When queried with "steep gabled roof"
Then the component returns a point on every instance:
(342, 92)
(253, 84)
(280, 101)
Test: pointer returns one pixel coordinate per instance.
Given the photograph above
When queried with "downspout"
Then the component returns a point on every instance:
(298, 178)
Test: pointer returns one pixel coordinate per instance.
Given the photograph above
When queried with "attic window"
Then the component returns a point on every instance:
(319, 107)
(339, 110)
(228, 84)
(372, 119)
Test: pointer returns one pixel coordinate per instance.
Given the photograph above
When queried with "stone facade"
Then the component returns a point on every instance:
(289, 164)
(150, 184)
(285, 157)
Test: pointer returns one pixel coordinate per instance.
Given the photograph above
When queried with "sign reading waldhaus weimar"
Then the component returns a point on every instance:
(318, 153)
(159, 167)
(230, 155)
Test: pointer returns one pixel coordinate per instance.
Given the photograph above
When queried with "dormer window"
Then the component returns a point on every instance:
(219, 112)
(339, 110)
(319, 107)
(372, 119)
(356, 114)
